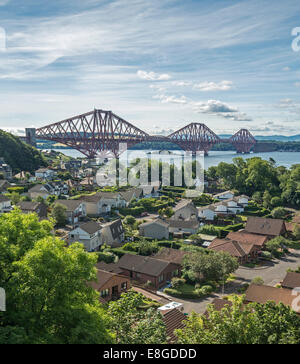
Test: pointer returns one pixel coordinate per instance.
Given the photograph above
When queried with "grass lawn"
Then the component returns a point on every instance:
(294, 245)
(184, 291)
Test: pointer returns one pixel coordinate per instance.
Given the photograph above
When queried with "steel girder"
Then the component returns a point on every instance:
(243, 141)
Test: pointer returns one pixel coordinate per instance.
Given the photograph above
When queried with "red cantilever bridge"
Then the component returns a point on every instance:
(99, 130)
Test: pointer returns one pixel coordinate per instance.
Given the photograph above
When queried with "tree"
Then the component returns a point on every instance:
(49, 297)
(130, 220)
(296, 232)
(133, 325)
(242, 324)
(276, 201)
(278, 213)
(257, 197)
(59, 214)
(267, 199)
(215, 266)
(273, 245)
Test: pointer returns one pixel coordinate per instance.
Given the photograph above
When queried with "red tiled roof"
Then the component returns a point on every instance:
(263, 226)
(245, 237)
(173, 319)
(291, 280)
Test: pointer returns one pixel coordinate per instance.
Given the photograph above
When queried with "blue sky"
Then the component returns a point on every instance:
(159, 64)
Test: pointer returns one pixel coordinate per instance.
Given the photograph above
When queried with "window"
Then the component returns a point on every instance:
(161, 278)
(138, 275)
(104, 293)
(124, 286)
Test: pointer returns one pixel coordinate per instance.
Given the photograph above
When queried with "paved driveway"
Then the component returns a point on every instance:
(272, 273)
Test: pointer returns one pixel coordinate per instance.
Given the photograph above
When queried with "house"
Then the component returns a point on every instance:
(243, 237)
(242, 200)
(173, 320)
(41, 190)
(25, 176)
(110, 285)
(218, 304)
(268, 227)
(244, 252)
(185, 210)
(59, 188)
(28, 207)
(150, 191)
(5, 204)
(75, 210)
(132, 194)
(4, 185)
(109, 267)
(89, 234)
(88, 184)
(174, 256)
(146, 269)
(226, 207)
(263, 294)
(156, 229)
(226, 195)
(101, 203)
(291, 280)
(113, 233)
(183, 226)
(44, 174)
(5, 169)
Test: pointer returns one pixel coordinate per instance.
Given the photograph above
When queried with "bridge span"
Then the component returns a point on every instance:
(100, 130)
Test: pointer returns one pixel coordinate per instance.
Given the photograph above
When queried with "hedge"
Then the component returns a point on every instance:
(134, 211)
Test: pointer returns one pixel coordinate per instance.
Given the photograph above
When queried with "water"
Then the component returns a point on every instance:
(285, 159)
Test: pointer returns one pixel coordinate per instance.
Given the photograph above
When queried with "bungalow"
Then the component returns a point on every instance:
(185, 210)
(5, 204)
(268, 227)
(207, 212)
(89, 234)
(226, 195)
(44, 174)
(242, 200)
(183, 226)
(244, 252)
(146, 269)
(243, 237)
(29, 207)
(110, 285)
(113, 233)
(263, 294)
(156, 229)
(174, 256)
(75, 210)
(291, 280)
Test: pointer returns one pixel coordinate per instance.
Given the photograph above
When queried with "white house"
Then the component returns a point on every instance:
(89, 234)
(224, 195)
(113, 233)
(242, 200)
(44, 174)
(5, 204)
(207, 212)
(157, 229)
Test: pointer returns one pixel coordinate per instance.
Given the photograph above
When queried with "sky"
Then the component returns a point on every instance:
(159, 64)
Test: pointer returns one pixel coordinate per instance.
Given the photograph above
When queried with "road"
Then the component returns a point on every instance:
(272, 274)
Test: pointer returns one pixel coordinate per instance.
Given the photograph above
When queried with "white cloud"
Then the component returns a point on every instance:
(213, 86)
(297, 84)
(213, 106)
(181, 83)
(165, 99)
(286, 69)
(152, 76)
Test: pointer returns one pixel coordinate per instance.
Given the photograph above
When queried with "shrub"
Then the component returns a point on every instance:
(206, 290)
(106, 257)
(258, 281)
(178, 282)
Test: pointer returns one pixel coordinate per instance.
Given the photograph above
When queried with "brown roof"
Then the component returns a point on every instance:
(234, 248)
(90, 227)
(245, 237)
(171, 255)
(111, 267)
(263, 226)
(291, 280)
(219, 304)
(156, 221)
(183, 203)
(102, 278)
(99, 195)
(116, 228)
(290, 226)
(70, 205)
(173, 319)
(146, 265)
(183, 224)
(263, 294)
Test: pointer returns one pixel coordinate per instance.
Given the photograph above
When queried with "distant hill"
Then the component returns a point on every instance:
(20, 156)
(277, 138)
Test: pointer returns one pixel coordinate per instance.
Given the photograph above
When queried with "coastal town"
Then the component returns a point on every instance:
(181, 255)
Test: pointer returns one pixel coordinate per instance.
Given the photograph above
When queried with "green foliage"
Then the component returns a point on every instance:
(242, 324)
(59, 214)
(48, 300)
(258, 281)
(15, 189)
(133, 325)
(20, 156)
(177, 282)
(279, 213)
